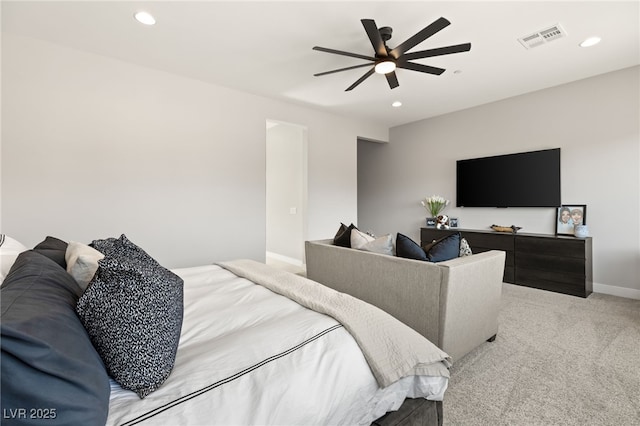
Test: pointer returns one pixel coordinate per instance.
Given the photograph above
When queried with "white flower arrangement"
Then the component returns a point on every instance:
(434, 204)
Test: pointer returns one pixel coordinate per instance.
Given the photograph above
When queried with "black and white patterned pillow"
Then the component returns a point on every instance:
(132, 310)
(465, 249)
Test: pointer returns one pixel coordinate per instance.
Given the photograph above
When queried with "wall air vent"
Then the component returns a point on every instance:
(543, 36)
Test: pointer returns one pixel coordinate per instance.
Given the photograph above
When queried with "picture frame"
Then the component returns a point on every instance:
(431, 222)
(569, 215)
(453, 222)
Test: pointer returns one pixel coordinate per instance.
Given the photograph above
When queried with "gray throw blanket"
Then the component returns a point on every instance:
(392, 349)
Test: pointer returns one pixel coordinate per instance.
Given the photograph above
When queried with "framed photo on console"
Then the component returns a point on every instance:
(568, 216)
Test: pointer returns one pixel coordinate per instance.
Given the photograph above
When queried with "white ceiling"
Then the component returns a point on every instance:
(265, 47)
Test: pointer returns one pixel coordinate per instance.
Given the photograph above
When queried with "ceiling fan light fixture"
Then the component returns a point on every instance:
(385, 67)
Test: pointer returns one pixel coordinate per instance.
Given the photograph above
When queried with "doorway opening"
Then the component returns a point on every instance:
(286, 195)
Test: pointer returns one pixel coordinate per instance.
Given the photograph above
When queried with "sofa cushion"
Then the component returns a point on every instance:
(445, 248)
(409, 249)
(48, 362)
(132, 302)
(343, 236)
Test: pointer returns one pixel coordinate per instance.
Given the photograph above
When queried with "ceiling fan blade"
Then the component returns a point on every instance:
(374, 36)
(448, 50)
(392, 79)
(361, 79)
(419, 37)
(340, 52)
(341, 69)
(421, 68)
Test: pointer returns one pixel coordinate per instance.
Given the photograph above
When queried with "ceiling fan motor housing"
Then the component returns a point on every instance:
(385, 33)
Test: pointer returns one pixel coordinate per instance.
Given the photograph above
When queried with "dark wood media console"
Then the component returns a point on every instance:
(548, 262)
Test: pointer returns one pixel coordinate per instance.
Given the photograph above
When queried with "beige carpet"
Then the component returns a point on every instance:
(557, 360)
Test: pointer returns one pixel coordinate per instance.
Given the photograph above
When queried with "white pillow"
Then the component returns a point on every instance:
(82, 262)
(9, 251)
(359, 239)
(382, 245)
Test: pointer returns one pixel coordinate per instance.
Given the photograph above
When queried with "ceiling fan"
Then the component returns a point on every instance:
(386, 60)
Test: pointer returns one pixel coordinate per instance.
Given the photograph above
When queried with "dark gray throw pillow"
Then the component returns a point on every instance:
(50, 372)
(409, 249)
(343, 236)
(445, 248)
(53, 248)
(132, 310)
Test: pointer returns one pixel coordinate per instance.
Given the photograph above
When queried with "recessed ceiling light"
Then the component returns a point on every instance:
(591, 41)
(396, 104)
(145, 18)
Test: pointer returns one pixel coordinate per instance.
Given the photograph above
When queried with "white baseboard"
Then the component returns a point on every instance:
(629, 293)
(287, 259)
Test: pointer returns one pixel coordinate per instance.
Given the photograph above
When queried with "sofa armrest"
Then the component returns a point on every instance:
(407, 289)
(470, 301)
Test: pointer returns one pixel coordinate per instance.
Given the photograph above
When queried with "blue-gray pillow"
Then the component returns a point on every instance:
(409, 249)
(132, 310)
(48, 362)
(446, 248)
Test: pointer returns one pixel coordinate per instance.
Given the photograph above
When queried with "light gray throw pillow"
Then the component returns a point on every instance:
(382, 245)
(82, 262)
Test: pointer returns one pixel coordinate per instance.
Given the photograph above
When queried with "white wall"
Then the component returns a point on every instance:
(93, 147)
(595, 122)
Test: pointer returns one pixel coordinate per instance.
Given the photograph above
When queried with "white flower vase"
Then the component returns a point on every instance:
(581, 231)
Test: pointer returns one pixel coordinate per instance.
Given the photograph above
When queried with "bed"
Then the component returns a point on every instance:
(256, 346)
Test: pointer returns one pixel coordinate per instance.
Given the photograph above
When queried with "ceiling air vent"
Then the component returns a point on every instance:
(543, 36)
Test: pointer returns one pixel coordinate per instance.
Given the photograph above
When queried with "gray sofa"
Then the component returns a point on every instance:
(454, 304)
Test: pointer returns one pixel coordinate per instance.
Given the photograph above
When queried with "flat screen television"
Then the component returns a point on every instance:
(526, 179)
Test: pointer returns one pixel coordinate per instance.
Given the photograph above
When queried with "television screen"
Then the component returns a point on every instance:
(526, 179)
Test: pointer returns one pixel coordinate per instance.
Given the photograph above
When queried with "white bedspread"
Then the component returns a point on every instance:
(391, 349)
(249, 356)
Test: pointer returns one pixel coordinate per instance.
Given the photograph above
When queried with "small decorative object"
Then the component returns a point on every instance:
(434, 205)
(443, 222)
(569, 216)
(453, 222)
(512, 229)
(581, 231)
